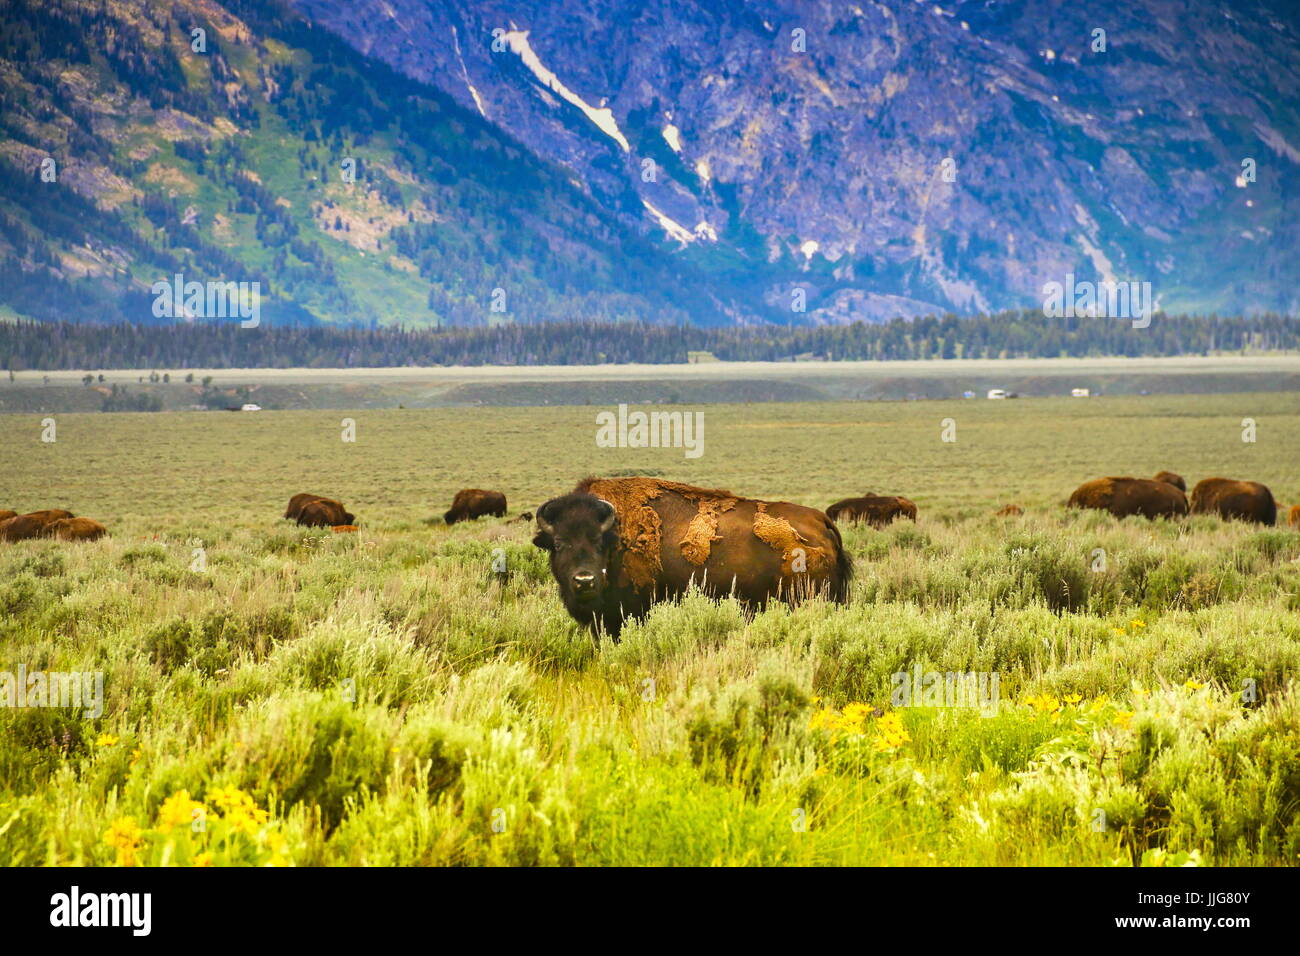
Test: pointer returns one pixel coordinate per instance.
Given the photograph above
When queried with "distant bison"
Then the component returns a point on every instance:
(1009, 511)
(1293, 519)
(876, 510)
(324, 513)
(617, 545)
(75, 529)
(1169, 478)
(1234, 500)
(31, 525)
(301, 500)
(1131, 496)
(472, 503)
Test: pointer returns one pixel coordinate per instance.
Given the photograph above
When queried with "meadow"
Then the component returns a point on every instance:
(278, 695)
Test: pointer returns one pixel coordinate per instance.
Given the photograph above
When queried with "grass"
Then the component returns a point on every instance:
(383, 698)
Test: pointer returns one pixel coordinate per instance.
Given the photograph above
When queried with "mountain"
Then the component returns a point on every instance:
(815, 135)
(414, 162)
(237, 143)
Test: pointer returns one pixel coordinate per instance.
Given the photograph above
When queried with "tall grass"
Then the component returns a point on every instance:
(384, 698)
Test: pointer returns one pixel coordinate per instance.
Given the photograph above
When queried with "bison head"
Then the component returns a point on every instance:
(451, 517)
(580, 532)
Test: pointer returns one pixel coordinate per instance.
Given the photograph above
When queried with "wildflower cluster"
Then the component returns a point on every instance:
(230, 830)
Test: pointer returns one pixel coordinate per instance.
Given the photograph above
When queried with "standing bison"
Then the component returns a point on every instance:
(316, 511)
(472, 503)
(876, 510)
(1131, 496)
(617, 545)
(1234, 500)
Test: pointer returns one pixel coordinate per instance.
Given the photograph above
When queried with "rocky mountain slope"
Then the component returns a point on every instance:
(443, 161)
(896, 156)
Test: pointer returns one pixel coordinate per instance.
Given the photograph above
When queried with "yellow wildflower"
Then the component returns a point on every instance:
(106, 740)
(124, 836)
(1193, 684)
(135, 756)
(1123, 717)
(178, 811)
(203, 859)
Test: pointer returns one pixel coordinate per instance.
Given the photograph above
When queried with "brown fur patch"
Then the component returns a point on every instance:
(781, 536)
(640, 526)
(1293, 519)
(697, 543)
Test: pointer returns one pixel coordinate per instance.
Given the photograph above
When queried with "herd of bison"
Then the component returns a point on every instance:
(616, 545)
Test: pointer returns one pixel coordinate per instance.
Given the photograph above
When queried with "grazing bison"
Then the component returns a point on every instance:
(1131, 496)
(324, 513)
(1009, 511)
(1169, 478)
(1240, 500)
(617, 545)
(876, 510)
(32, 525)
(300, 501)
(473, 503)
(75, 529)
(6, 515)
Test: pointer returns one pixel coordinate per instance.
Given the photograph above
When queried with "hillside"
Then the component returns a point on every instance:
(229, 163)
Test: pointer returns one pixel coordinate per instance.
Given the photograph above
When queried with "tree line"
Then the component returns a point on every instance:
(50, 346)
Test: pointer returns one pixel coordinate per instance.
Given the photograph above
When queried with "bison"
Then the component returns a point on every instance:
(345, 529)
(1293, 518)
(31, 525)
(617, 545)
(1169, 478)
(75, 529)
(6, 515)
(473, 503)
(301, 500)
(876, 510)
(324, 513)
(1231, 499)
(1131, 496)
(1009, 511)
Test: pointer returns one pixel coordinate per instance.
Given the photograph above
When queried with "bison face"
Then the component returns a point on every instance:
(349, 518)
(579, 531)
(450, 517)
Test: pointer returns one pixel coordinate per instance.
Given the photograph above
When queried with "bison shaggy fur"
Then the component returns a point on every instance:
(1234, 500)
(324, 513)
(1123, 497)
(1169, 478)
(31, 525)
(75, 529)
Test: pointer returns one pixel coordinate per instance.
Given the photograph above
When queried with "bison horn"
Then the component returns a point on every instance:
(609, 518)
